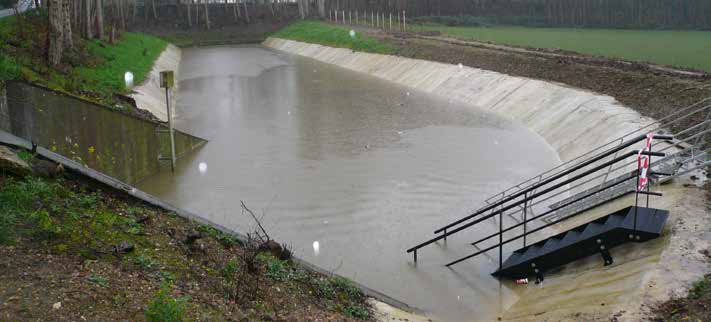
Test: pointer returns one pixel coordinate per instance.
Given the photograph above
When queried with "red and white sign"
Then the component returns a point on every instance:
(643, 163)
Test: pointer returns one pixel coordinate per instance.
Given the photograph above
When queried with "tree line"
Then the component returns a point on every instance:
(644, 14)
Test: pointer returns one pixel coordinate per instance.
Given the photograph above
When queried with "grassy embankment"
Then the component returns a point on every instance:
(684, 49)
(105, 256)
(334, 36)
(93, 70)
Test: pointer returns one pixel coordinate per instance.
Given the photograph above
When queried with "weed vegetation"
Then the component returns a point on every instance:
(331, 35)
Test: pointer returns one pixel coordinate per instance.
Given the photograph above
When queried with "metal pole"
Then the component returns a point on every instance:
(170, 130)
(636, 200)
(525, 205)
(501, 240)
(404, 25)
(650, 168)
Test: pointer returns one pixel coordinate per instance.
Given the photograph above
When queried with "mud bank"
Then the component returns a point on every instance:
(150, 96)
(572, 121)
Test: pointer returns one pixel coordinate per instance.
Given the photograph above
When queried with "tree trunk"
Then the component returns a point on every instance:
(246, 13)
(207, 15)
(322, 8)
(197, 12)
(68, 42)
(190, 17)
(122, 15)
(56, 37)
(155, 13)
(235, 11)
(88, 30)
(99, 19)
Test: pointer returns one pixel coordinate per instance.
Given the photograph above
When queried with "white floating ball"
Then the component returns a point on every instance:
(352, 33)
(202, 167)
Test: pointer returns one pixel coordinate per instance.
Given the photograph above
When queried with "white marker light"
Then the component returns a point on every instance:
(202, 167)
(316, 247)
(128, 78)
(352, 33)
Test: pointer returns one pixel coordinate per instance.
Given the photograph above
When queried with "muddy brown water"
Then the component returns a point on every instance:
(349, 170)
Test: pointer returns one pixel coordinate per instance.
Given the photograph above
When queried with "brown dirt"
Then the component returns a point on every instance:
(652, 93)
(695, 307)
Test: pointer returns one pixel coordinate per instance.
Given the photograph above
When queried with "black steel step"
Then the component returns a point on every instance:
(587, 239)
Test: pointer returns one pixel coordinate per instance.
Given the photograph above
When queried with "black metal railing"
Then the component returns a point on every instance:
(574, 174)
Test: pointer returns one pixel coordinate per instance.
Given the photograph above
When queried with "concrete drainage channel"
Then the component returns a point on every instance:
(571, 121)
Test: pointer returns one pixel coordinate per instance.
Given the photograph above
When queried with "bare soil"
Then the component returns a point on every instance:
(654, 93)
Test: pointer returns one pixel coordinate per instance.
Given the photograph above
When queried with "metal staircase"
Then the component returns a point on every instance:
(597, 236)
(604, 174)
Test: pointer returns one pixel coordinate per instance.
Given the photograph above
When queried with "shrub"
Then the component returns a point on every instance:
(9, 68)
(165, 308)
(357, 311)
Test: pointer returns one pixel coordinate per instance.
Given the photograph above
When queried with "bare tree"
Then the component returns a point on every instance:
(189, 4)
(207, 15)
(88, 32)
(67, 41)
(56, 37)
(99, 18)
(246, 13)
(155, 13)
(235, 10)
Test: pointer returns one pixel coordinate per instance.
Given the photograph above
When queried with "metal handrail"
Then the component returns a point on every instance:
(540, 193)
(547, 185)
(586, 162)
(659, 121)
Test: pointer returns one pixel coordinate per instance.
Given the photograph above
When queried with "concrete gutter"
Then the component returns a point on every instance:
(149, 95)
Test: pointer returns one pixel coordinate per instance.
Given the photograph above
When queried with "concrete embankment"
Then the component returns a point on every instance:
(572, 121)
(149, 95)
(118, 144)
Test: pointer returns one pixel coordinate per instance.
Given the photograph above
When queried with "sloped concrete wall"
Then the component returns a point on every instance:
(149, 95)
(572, 121)
(117, 144)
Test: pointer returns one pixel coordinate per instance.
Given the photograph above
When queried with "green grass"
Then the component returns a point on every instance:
(686, 49)
(93, 70)
(329, 35)
(135, 52)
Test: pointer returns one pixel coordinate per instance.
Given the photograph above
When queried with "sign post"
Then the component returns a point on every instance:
(167, 81)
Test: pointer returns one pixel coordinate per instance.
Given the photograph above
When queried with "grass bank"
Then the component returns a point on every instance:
(93, 69)
(685, 49)
(334, 36)
(81, 251)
